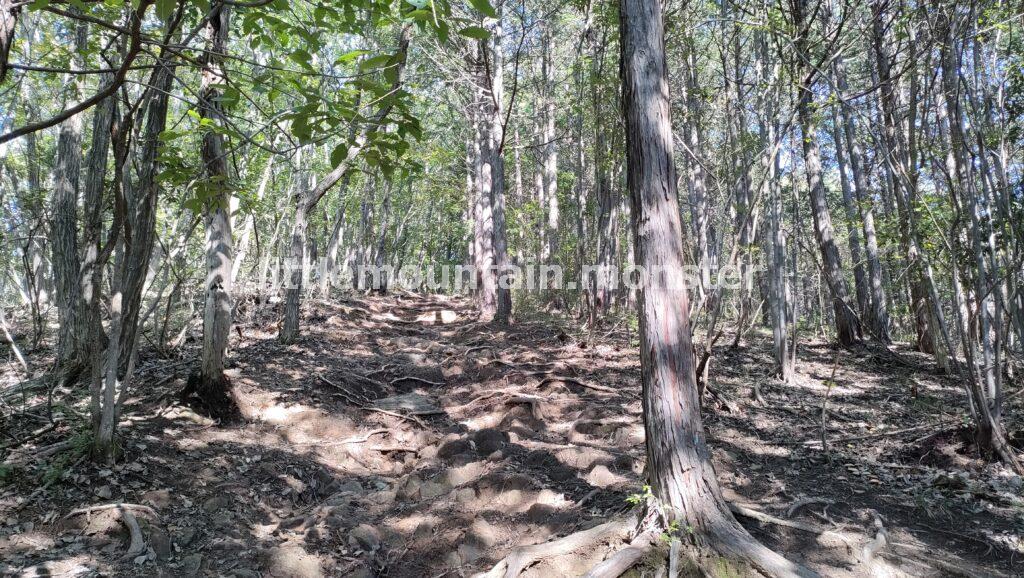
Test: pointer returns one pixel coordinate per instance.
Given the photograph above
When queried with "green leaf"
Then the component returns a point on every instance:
(484, 7)
(475, 32)
(164, 8)
(338, 154)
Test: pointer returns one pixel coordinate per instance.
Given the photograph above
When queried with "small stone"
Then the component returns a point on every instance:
(453, 448)
(409, 489)
(434, 489)
(291, 523)
(161, 543)
(157, 498)
(468, 552)
(490, 440)
(465, 474)
(216, 503)
(424, 529)
(602, 477)
(292, 561)
(483, 532)
(191, 564)
(364, 537)
(496, 456)
(185, 537)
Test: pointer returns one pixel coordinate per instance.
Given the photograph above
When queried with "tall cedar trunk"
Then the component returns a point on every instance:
(213, 389)
(71, 335)
(503, 293)
(607, 202)
(679, 468)
(847, 324)
(550, 172)
(778, 288)
(483, 226)
(878, 316)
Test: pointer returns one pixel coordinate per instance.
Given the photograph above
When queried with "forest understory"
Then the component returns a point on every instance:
(401, 437)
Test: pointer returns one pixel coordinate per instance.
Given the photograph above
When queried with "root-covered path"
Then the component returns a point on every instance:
(399, 437)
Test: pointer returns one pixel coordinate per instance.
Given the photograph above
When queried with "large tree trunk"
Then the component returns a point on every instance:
(483, 226)
(71, 335)
(681, 476)
(210, 387)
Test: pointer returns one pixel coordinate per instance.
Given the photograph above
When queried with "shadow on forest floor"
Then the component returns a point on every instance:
(400, 437)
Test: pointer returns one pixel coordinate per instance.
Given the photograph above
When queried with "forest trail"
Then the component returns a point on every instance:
(399, 437)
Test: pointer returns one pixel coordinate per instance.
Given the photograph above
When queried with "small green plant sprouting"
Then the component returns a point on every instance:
(640, 497)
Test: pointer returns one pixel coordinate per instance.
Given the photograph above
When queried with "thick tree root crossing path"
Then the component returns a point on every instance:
(400, 437)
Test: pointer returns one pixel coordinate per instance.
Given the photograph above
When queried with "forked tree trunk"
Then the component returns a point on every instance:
(878, 316)
(682, 479)
(860, 281)
(137, 204)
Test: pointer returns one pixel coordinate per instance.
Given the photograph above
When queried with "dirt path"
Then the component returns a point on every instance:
(399, 438)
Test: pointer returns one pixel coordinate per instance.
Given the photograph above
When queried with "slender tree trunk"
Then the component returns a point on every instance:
(250, 222)
(778, 289)
(136, 202)
(483, 228)
(210, 386)
(296, 253)
(503, 293)
(550, 144)
(847, 325)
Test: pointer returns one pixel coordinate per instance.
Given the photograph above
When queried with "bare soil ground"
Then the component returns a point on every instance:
(401, 438)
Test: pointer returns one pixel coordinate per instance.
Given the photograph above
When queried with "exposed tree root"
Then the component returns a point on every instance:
(523, 557)
(617, 564)
(137, 543)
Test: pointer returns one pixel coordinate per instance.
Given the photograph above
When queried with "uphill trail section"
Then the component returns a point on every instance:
(400, 437)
